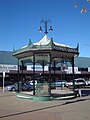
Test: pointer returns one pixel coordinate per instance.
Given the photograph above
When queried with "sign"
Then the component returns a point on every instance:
(37, 68)
(69, 70)
(4, 67)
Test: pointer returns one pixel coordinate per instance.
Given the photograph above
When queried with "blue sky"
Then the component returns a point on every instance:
(20, 21)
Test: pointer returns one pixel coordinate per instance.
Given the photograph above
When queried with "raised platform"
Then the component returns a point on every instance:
(56, 95)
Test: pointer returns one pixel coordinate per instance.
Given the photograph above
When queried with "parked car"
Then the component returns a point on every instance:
(14, 87)
(78, 83)
(31, 82)
(60, 83)
(88, 82)
(27, 86)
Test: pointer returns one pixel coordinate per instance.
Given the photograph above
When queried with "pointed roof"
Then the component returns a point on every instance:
(44, 41)
(45, 44)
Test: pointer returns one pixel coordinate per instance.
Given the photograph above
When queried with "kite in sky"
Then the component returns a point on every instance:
(83, 5)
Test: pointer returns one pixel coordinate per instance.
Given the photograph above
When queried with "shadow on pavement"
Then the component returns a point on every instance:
(58, 105)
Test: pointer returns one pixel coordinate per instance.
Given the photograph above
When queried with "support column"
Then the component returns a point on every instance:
(43, 68)
(73, 73)
(61, 73)
(18, 77)
(22, 66)
(33, 74)
(54, 69)
(50, 76)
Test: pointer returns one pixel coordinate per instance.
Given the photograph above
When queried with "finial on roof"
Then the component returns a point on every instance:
(52, 41)
(30, 43)
(78, 46)
(13, 49)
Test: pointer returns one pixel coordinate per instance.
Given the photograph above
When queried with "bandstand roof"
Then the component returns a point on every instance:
(46, 45)
(46, 40)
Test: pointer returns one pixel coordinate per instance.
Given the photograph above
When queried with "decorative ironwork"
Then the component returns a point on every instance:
(65, 49)
(44, 24)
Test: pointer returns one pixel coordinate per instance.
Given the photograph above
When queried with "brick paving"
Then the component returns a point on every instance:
(13, 108)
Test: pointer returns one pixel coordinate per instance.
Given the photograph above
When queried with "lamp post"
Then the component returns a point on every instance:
(45, 26)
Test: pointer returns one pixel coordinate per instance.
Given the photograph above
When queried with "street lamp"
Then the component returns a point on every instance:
(45, 26)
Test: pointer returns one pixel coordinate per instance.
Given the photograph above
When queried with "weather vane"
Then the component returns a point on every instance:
(45, 26)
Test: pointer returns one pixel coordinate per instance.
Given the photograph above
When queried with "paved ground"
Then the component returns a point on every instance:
(13, 108)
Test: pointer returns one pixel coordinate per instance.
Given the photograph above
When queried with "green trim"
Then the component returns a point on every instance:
(46, 98)
(42, 98)
(24, 96)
